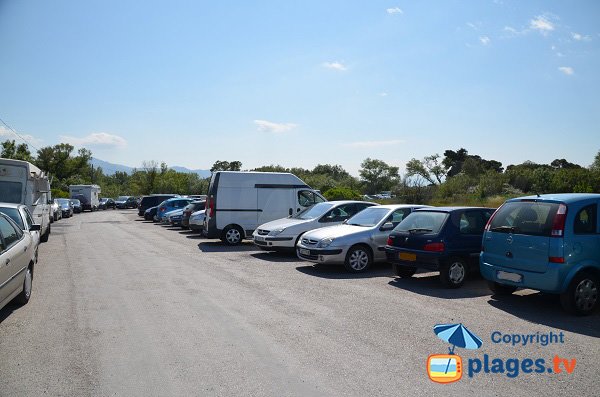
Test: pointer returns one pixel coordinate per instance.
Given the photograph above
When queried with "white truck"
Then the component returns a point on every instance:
(240, 201)
(23, 183)
(88, 195)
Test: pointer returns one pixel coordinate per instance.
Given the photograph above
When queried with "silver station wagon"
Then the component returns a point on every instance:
(359, 242)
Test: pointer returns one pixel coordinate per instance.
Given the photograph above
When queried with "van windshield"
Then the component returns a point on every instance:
(11, 191)
(525, 217)
(423, 222)
(314, 211)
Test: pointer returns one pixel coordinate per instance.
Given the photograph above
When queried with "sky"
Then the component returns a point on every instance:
(301, 83)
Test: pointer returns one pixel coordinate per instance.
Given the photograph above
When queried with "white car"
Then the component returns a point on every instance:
(21, 215)
(197, 221)
(283, 234)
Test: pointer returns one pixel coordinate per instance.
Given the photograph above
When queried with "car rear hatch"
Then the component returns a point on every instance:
(525, 235)
(420, 231)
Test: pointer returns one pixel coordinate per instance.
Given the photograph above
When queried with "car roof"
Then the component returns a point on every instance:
(11, 205)
(452, 209)
(340, 202)
(566, 198)
(396, 206)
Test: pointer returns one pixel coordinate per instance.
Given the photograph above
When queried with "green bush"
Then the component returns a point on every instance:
(342, 193)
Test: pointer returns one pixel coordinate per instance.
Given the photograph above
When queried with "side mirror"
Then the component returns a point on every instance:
(345, 221)
(35, 227)
(387, 226)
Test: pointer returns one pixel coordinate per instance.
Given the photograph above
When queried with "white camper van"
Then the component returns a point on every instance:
(23, 183)
(88, 195)
(240, 201)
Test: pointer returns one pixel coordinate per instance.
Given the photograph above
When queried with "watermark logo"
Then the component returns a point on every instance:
(448, 368)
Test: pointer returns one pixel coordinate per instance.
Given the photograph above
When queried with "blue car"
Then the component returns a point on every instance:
(444, 239)
(549, 243)
(170, 205)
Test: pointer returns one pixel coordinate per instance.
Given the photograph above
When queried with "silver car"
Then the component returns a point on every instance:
(357, 243)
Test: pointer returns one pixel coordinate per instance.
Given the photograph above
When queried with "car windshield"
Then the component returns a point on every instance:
(63, 201)
(13, 214)
(422, 222)
(75, 202)
(525, 217)
(369, 217)
(314, 211)
(122, 198)
(102, 200)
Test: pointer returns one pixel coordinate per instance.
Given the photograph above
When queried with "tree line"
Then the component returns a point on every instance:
(456, 177)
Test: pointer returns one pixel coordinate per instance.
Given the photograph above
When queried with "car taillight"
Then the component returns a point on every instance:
(210, 206)
(162, 209)
(489, 222)
(556, 259)
(390, 241)
(558, 225)
(434, 247)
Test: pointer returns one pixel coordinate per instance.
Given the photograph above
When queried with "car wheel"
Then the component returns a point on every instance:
(403, 271)
(581, 297)
(232, 235)
(453, 273)
(358, 259)
(46, 235)
(501, 289)
(24, 296)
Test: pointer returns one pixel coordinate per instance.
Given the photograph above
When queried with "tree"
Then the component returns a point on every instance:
(429, 169)
(226, 166)
(377, 175)
(564, 164)
(341, 193)
(596, 164)
(10, 150)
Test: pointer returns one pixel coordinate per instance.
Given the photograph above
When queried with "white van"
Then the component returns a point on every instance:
(88, 195)
(23, 183)
(240, 201)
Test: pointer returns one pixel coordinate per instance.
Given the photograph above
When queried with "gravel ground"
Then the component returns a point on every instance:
(129, 308)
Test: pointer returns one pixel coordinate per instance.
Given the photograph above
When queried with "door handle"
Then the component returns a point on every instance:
(291, 211)
(7, 262)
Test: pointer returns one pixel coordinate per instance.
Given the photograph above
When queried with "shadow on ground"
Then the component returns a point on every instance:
(545, 309)
(7, 310)
(429, 284)
(339, 272)
(218, 246)
(277, 257)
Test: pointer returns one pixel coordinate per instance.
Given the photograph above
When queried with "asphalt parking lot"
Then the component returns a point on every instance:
(125, 307)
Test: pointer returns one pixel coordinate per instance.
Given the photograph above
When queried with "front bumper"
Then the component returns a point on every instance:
(333, 255)
(267, 242)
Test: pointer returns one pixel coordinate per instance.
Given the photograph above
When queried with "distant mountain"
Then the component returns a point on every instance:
(110, 168)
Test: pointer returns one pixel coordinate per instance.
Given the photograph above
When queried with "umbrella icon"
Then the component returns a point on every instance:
(457, 335)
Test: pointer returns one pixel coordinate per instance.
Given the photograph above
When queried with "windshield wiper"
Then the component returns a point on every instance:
(419, 229)
(503, 229)
(357, 224)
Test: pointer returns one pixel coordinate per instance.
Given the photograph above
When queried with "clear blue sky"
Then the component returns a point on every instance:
(299, 83)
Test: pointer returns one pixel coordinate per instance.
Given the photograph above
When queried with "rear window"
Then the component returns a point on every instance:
(423, 222)
(525, 217)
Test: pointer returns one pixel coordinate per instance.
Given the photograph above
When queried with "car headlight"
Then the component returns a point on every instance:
(326, 242)
(276, 232)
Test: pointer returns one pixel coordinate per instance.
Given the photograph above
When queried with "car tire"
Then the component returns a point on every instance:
(581, 297)
(25, 294)
(501, 289)
(453, 272)
(403, 271)
(46, 235)
(358, 259)
(232, 235)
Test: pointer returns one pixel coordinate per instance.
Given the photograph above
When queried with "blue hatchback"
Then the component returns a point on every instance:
(170, 205)
(446, 239)
(550, 243)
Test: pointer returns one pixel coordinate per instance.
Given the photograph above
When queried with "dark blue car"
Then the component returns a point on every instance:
(444, 239)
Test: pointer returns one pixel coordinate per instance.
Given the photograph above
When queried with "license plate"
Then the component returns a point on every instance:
(405, 256)
(304, 252)
(514, 277)
(259, 238)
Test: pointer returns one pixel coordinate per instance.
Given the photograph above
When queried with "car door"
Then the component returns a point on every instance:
(380, 236)
(585, 245)
(35, 234)
(14, 257)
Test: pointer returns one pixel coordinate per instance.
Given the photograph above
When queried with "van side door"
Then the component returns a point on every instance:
(273, 203)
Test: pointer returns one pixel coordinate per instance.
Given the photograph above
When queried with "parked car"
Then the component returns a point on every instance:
(238, 202)
(189, 209)
(18, 258)
(358, 242)
(549, 243)
(174, 217)
(21, 215)
(56, 211)
(66, 207)
(283, 234)
(170, 205)
(152, 200)
(197, 219)
(150, 213)
(444, 239)
(124, 202)
(106, 203)
(77, 208)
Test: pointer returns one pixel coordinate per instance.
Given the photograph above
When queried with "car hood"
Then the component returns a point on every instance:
(283, 223)
(334, 231)
(199, 213)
